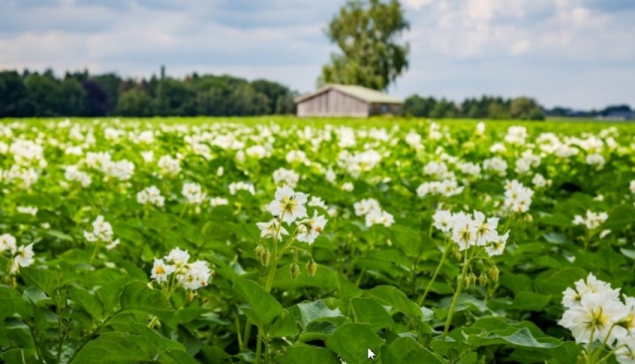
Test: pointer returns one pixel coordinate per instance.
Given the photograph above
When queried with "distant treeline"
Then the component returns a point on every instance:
(33, 94)
(486, 107)
(82, 94)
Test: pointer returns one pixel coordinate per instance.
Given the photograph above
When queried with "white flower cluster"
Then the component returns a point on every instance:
(192, 276)
(592, 220)
(595, 313)
(496, 165)
(283, 176)
(193, 193)
(102, 232)
(169, 166)
(472, 230)
(288, 206)
(73, 174)
(19, 176)
(19, 256)
(121, 170)
(517, 197)
(241, 186)
(218, 201)
(358, 163)
(540, 181)
(152, 195)
(447, 188)
(516, 135)
(372, 211)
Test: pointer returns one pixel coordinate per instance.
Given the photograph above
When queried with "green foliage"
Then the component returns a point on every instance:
(389, 289)
(366, 33)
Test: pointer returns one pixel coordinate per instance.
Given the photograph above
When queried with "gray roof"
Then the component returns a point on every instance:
(358, 92)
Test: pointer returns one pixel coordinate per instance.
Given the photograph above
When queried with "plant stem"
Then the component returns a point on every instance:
(455, 299)
(92, 257)
(436, 272)
(259, 346)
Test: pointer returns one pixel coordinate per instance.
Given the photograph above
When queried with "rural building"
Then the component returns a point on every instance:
(347, 100)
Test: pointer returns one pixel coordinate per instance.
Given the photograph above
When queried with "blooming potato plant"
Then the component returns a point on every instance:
(280, 241)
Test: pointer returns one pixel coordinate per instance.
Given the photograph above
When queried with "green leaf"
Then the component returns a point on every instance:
(13, 306)
(367, 310)
(109, 293)
(312, 311)
(619, 218)
(265, 307)
(407, 350)
(511, 336)
(555, 281)
(300, 353)
(46, 280)
(117, 348)
(524, 301)
(391, 296)
(137, 296)
(351, 341)
(87, 301)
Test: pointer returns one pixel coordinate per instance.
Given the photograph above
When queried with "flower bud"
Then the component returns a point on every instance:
(295, 271)
(259, 251)
(479, 263)
(471, 280)
(493, 274)
(482, 279)
(264, 259)
(456, 252)
(311, 267)
(528, 218)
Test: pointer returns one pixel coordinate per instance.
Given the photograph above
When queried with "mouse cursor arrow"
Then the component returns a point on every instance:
(371, 355)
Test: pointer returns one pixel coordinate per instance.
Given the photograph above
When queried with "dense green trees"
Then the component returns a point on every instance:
(366, 33)
(83, 94)
(484, 108)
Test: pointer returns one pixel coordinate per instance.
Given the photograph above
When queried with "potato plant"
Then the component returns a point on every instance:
(316, 241)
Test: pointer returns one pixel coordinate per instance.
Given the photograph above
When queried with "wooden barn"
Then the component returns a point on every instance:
(347, 100)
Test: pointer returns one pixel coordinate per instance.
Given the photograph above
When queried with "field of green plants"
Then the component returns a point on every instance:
(281, 240)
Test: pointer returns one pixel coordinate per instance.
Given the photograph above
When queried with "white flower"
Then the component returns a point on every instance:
(595, 314)
(161, 271)
(288, 205)
(282, 176)
(310, 229)
(271, 229)
(142, 197)
(442, 220)
(193, 193)
(592, 220)
(365, 206)
(178, 257)
(218, 201)
(24, 256)
(8, 242)
(497, 245)
(30, 210)
(241, 186)
(485, 228)
(169, 166)
(348, 187)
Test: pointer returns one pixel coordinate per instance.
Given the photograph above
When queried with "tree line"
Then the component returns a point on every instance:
(33, 94)
(487, 107)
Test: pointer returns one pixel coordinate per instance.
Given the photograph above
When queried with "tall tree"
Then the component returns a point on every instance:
(367, 34)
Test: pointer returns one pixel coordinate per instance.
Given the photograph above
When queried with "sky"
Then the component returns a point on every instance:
(575, 53)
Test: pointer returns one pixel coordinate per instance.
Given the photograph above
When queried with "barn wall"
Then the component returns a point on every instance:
(379, 109)
(333, 103)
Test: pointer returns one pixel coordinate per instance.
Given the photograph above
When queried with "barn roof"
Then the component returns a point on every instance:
(358, 92)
